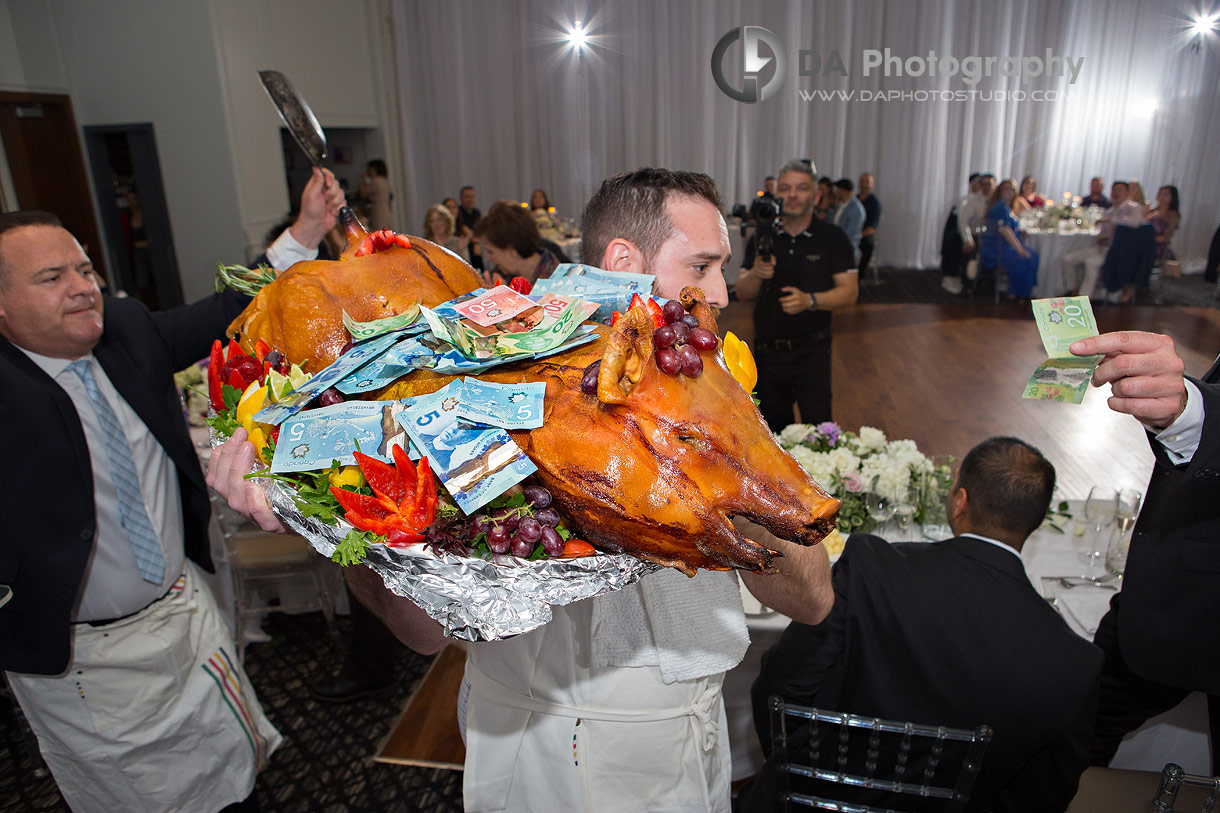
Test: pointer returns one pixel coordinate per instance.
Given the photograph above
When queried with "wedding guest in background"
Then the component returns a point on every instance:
(1028, 197)
(956, 244)
(1159, 637)
(1090, 258)
(539, 202)
(438, 227)
(1212, 269)
(511, 243)
(1002, 245)
(872, 218)
(375, 188)
(1165, 219)
(932, 633)
(1095, 196)
(1133, 211)
(826, 199)
(1128, 266)
(468, 215)
(849, 214)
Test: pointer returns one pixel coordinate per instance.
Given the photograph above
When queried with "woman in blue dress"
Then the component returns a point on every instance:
(1002, 246)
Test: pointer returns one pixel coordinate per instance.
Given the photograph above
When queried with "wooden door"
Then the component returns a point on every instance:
(47, 166)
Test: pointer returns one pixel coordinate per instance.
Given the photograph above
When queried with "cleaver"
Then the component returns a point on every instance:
(296, 114)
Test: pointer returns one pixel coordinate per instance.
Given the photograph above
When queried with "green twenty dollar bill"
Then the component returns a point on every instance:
(1063, 376)
(362, 331)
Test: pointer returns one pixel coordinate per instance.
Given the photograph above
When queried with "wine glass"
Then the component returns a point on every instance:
(904, 511)
(880, 508)
(1100, 510)
(1128, 508)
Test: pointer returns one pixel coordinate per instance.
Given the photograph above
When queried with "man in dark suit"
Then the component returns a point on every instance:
(114, 647)
(954, 634)
(1159, 636)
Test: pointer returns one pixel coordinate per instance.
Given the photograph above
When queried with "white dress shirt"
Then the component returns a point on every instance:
(286, 252)
(113, 586)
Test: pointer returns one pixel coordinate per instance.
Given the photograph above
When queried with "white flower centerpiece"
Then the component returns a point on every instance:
(850, 465)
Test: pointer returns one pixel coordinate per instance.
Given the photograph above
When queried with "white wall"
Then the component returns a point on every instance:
(190, 67)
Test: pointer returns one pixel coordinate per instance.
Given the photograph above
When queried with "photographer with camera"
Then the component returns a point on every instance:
(796, 271)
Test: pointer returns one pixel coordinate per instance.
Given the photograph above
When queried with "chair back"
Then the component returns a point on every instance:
(1172, 780)
(1131, 257)
(811, 747)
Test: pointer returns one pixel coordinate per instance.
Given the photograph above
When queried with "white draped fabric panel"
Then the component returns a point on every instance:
(491, 96)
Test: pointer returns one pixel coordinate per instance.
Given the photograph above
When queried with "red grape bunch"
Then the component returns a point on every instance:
(679, 341)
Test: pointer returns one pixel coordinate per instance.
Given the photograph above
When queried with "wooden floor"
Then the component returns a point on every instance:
(949, 376)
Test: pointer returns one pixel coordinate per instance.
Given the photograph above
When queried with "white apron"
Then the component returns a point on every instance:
(153, 713)
(545, 733)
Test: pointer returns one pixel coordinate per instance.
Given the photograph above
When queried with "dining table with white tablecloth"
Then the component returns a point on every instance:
(1052, 246)
(1179, 735)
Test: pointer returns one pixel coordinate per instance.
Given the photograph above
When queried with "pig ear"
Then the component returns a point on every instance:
(628, 351)
(693, 300)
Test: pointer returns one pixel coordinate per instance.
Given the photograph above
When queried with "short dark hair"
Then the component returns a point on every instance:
(769, 178)
(845, 184)
(463, 189)
(26, 217)
(1008, 485)
(1120, 183)
(826, 179)
(509, 225)
(631, 205)
(990, 175)
(378, 167)
(974, 176)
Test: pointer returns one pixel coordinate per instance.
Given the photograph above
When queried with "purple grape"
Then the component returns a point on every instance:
(479, 524)
(529, 529)
(330, 397)
(588, 382)
(665, 336)
(689, 320)
(549, 517)
(350, 344)
(498, 539)
(522, 548)
(672, 311)
(702, 339)
(692, 364)
(274, 358)
(537, 495)
(552, 542)
(681, 332)
(508, 518)
(669, 361)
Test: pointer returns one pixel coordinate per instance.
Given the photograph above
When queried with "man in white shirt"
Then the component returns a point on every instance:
(1089, 259)
(616, 703)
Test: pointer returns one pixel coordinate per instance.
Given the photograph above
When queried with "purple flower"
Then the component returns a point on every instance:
(831, 430)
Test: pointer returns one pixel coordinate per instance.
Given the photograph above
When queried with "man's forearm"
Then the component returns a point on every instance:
(802, 589)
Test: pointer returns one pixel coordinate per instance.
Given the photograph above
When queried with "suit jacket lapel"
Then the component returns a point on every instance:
(67, 411)
(1213, 374)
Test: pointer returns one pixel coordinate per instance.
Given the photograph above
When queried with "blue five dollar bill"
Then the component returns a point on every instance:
(476, 464)
(510, 406)
(310, 441)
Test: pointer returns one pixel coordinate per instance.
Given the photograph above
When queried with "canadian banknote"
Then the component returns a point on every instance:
(406, 322)
(313, 439)
(475, 463)
(1063, 376)
(509, 406)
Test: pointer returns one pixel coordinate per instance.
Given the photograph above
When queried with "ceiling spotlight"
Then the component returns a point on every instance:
(577, 37)
(1204, 25)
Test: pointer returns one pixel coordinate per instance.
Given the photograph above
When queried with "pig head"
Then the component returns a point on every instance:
(654, 464)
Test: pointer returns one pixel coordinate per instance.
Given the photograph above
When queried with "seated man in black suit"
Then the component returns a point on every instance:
(952, 633)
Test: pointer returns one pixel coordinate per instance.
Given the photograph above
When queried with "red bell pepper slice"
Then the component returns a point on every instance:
(261, 348)
(404, 501)
(216, 360)
(234, 350)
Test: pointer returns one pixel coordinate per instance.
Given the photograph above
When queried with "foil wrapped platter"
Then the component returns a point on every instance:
(473, 598)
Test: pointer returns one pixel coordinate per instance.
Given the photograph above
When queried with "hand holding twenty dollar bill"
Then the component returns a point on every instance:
(1063, 377)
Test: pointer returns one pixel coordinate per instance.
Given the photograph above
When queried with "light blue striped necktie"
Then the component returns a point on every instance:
(133, 515)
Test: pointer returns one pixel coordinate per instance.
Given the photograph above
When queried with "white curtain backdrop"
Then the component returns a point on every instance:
(491, 96)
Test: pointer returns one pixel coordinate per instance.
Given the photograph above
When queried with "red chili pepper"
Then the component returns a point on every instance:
(261, 349)
(521, 285)
(234, 350)
(497, 280)
(216, 360)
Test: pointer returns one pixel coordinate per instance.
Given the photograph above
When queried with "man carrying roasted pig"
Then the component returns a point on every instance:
(616, 704)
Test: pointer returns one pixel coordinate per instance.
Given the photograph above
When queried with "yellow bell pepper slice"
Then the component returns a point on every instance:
(740, 361)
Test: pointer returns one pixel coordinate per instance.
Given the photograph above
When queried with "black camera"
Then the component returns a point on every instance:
(763, 214)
